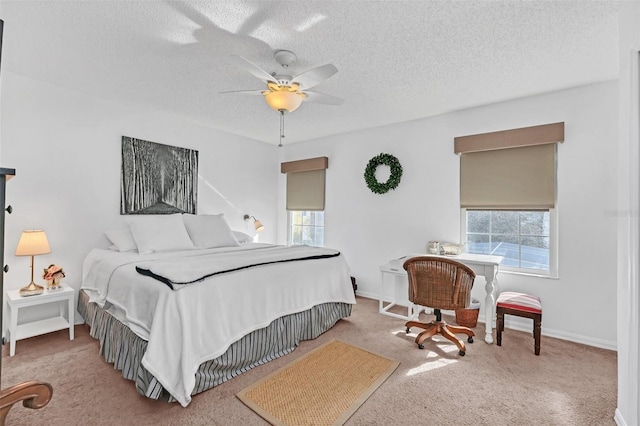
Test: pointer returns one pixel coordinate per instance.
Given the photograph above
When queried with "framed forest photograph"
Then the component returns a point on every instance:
(157, 178)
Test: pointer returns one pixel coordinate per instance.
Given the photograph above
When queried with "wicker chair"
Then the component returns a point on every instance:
(33, 394)
(439, 283)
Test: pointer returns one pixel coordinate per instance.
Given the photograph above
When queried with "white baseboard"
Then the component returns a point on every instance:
(619, 419)
(366, 295)
(515, 324)
(527, 326)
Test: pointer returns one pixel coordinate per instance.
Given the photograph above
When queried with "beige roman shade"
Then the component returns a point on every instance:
(510, 169)
(305, 183)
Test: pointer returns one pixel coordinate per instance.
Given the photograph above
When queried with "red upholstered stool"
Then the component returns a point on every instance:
(522, 305)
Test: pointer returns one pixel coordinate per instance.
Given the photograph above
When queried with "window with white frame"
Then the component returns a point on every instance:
(306, 228)
(524, 238)
(508, 196)
(305, 200)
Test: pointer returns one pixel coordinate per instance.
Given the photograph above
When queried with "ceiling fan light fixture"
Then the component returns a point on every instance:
(286, 92)
(283, 100)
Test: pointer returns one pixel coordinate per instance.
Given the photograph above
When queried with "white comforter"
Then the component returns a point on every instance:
(200, 321)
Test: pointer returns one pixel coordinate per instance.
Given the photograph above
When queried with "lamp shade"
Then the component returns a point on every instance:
(258, 225)
(283, 100)
(32, 243)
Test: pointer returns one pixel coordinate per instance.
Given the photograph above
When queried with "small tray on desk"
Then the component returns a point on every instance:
(397, 263)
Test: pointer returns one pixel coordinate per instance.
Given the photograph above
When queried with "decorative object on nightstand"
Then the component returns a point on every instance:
(53, 275)
(32, 243)
(256, 223)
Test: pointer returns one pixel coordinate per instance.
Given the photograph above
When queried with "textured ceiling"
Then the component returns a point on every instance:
(397, 60)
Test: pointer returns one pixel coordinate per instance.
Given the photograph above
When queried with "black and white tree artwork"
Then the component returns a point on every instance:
(157, 179)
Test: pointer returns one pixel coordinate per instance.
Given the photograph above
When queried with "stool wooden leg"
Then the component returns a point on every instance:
(499, 326)
(537, 331)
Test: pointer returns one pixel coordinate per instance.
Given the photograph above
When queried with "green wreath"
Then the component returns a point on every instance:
(394, 178)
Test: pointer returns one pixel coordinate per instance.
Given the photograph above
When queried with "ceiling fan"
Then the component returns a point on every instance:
(285, 93)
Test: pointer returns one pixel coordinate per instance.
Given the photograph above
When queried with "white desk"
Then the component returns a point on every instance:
(485, 265)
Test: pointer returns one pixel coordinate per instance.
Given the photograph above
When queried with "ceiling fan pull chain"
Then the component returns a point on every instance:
(281, 126)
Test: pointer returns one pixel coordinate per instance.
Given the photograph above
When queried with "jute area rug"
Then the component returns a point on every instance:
(324, 387)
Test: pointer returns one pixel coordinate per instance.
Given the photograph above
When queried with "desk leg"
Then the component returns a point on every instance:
(490, 306)
(413, 312)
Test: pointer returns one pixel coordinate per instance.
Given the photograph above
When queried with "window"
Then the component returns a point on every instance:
(305, 200)
(525, 238)
(508, 191)
(306, 228)
(305, 183)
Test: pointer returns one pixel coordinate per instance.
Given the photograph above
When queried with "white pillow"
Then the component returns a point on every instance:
(209, 231)
(122, 238)
(159, 233)
(242, 237)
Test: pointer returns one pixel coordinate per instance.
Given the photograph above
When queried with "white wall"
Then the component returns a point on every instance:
(371, 229)
(628, 326)
(65, 147)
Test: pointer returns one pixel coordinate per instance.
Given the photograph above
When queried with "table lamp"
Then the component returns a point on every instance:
(32, 243)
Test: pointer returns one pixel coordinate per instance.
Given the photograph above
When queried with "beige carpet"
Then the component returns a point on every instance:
(325, 387)
(568, 384)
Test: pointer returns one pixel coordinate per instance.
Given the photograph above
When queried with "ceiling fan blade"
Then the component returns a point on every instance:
(315, 76)
(322, 98)
(244, 92)
(249, 66)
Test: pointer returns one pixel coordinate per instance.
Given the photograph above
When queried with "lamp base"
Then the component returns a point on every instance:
(31, 290)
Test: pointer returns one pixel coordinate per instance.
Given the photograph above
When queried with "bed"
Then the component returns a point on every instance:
(179, 321)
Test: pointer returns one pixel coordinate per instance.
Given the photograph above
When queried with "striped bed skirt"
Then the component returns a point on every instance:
(124, 349)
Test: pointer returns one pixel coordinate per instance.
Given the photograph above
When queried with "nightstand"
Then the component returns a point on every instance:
(15, 302)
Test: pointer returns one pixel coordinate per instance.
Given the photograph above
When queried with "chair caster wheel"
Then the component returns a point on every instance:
(420, 346)
(407, 330)
(461, 353)
(470, 339)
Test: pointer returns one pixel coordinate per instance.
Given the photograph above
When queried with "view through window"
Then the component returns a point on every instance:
(521, 237)
(306, 228)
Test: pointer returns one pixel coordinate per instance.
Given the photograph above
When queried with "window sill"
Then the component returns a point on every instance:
(529, 274)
